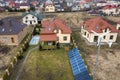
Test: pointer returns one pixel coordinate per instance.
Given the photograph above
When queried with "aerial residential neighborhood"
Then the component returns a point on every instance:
(59, 40)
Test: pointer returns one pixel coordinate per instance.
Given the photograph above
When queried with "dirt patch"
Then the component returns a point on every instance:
(109, 65)
(10, 14)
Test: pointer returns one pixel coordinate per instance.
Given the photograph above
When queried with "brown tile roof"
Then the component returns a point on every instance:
(98, 25)
(50, 25)
(48, 37)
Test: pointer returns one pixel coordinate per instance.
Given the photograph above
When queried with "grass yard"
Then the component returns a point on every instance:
(47, 65)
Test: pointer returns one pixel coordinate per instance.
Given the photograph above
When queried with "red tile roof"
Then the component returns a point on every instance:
(88, 1)
(48, 37)
(118, 22)
(98, 25)
(50, 25)
(109, 7)
(48, 2)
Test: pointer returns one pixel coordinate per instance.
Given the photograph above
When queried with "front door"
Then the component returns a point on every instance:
(30, 22)
(95, 38)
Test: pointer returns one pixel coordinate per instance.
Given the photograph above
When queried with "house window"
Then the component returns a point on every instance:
(65, 38)
(106, 30)
(111, 37)
(12, 40)
(57, 31)
(88, 35)
(49, 43)
(104, 37)
(34, 21)
(119, 28)
(85, 33)
(32, 16)
(26, 17)
(46, 9)
(4, 39)
(26, 21)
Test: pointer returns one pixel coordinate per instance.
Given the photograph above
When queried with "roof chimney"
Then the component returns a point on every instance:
(1, 22)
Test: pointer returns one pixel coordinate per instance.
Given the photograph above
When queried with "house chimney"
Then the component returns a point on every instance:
(1, 22)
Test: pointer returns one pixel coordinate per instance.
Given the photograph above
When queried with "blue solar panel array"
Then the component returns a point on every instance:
(78, 67)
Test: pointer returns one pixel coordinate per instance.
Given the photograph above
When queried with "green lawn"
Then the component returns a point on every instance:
(47, 65)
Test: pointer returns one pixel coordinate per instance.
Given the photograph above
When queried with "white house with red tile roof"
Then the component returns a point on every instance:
(111, 10)
(55, 30)
(49, 6)
(100, 26)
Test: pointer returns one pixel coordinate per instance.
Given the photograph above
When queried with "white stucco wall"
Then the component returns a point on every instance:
(90, 38)
(30, 20)
(109, 11)
(61, 40)
(25, 7)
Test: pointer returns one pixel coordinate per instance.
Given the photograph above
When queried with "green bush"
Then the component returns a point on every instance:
(40, 47)
(5, 76)
(20, 57)
(58, 45)
(26, 46)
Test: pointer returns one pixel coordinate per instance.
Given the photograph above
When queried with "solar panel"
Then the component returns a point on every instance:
(78, 67)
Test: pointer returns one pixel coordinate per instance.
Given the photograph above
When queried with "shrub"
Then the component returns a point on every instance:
(40, 47)
(58, 45)
(20, 57)
(26, 46)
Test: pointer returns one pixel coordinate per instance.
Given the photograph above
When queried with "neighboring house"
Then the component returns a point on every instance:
(34, 3)
(12, 31)
(76, 7)
(69, 3)
(101, 4)
(55, 31)
(111, 10)
(55, 1)
(2, 3)
(19, 6)
(32, 18)
(58, 7)
(2, 9)
(25, 6)
(100, 26)
(49, 6)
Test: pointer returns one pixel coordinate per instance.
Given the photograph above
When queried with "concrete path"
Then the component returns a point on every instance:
(24, 62)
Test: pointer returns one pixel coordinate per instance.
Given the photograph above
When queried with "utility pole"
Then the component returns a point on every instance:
(100, 37)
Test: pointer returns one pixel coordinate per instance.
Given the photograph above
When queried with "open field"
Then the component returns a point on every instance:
(10, 14)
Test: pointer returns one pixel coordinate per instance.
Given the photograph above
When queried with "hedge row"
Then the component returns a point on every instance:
(23, 47)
